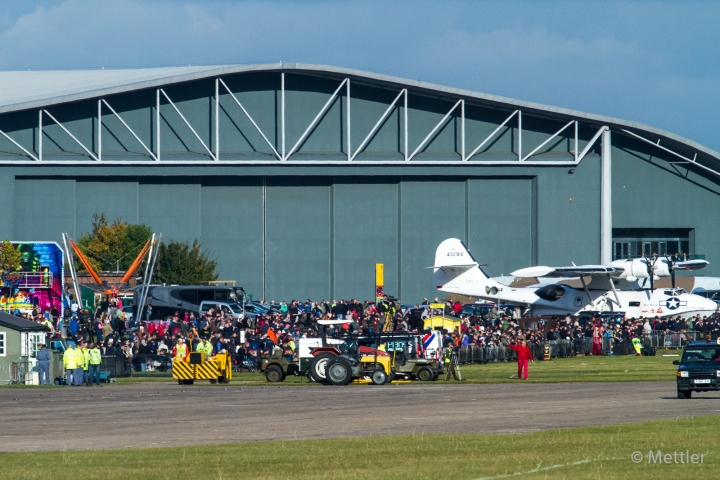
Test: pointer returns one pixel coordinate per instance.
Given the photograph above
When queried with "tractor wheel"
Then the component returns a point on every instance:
(181, 382)
(425, 374)
(684, 393)
(273, 374)
(378, 377)
(224, 378)
(318, 366)
(188, 382)
(213, 381)
(338, 371)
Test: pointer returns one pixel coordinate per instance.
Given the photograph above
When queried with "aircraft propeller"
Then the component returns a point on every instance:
(671, 267)
(651, 271)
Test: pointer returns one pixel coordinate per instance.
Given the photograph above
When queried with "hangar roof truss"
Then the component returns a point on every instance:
(45, 92)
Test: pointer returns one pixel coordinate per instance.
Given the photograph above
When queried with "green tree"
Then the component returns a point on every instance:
(179, 263)
(113, 246)
(10, 258)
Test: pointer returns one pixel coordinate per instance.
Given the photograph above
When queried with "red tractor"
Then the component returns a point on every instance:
(339, 364)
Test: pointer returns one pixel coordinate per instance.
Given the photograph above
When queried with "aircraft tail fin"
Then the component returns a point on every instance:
(456, 270)
(453, 253)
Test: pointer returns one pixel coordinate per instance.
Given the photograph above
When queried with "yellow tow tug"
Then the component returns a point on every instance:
(198, 366)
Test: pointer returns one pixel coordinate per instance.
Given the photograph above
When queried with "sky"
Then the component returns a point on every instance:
(655, 62)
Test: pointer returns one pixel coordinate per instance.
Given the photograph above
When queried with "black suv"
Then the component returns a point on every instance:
(699, 369)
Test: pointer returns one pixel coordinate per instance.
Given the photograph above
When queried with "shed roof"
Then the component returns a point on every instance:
(20, 324)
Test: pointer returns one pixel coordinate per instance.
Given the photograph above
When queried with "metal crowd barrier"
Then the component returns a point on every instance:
(478, 354)
(620, 346)
(584, 346)
(152, 363)
(674, 339)
(245, 363)
(558, 349)
(115, 366)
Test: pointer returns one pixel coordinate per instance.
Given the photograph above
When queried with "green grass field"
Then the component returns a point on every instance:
(597, 453)
(578, 369)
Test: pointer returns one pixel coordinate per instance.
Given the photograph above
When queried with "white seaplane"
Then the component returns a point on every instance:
(456, 271)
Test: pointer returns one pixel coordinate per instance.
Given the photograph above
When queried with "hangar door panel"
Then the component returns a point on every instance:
(232, 232)
(44, 209)
(430, 212)
(297, 242)
(114, 199)
(171, 209)
(500, 223)
(365, 232)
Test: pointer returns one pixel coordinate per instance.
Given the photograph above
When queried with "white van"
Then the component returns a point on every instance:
(230, 308)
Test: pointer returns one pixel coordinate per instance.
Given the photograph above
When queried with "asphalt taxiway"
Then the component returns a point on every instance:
(167, 414)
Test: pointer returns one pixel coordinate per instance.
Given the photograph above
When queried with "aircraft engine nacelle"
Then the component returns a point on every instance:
(662, 269)
(638, 268)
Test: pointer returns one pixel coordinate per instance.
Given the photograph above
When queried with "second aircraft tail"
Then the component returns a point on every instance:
(456, 271)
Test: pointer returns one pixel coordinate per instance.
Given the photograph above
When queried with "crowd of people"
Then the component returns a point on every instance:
(139, 343)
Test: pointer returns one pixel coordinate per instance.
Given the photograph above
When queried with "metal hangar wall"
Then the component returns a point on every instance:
(299, 178)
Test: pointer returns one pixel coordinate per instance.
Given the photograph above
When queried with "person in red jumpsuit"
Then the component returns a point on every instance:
(524, 355)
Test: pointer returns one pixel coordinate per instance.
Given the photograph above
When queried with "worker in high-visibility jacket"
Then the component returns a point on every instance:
(447, 355)
(637, 346)
(69, 363)
(79, 373)
(94, 360)
(85, 349)
(204, 346)
(180, 350)
(48, 324)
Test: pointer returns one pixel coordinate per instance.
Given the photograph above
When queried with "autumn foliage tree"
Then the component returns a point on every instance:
(181, 264)
(10, 258)
(110, 246)
(119, 242)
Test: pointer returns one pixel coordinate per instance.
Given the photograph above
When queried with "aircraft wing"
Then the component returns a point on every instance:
(570, 272)
(692, 264)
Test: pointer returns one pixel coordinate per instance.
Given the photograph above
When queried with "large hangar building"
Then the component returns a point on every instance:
(299, 178)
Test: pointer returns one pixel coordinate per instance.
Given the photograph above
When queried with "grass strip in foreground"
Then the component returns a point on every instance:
(598, 452)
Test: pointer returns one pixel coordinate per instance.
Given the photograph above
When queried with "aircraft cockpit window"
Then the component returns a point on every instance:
(675, 292)
(551, 293)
